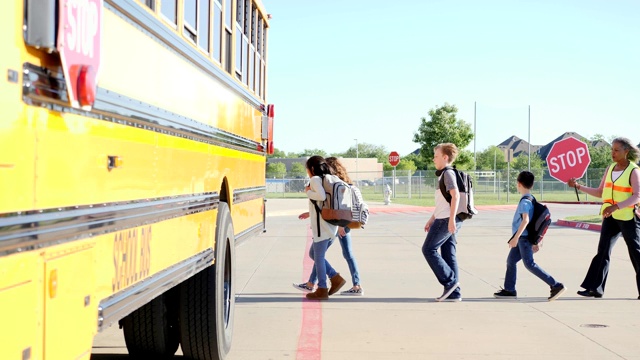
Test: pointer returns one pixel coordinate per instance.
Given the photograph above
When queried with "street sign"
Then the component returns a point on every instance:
(394, 158)
(568, 158)
(79, 34)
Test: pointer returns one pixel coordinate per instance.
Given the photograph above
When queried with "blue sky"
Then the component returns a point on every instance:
(369, 70)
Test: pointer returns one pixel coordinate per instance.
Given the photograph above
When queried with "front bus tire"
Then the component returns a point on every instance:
(207, 299)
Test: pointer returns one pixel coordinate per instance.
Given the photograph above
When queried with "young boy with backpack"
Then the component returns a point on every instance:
(443, 226)
(522, 247)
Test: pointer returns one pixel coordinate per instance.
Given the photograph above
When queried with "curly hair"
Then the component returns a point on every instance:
(626, 144)
(338, 169)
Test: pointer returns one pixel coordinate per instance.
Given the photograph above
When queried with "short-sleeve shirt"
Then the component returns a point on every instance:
(443, 209)
(524, 206)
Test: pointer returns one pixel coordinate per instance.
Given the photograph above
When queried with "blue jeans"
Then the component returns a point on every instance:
(445, 266)
(347, 252)
(321, 266)
(524, 252)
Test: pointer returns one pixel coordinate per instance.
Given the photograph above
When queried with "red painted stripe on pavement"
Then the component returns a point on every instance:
(310, 339)
(579, 225)
(573, 202)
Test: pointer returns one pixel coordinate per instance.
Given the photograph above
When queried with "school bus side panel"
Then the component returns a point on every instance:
(16, 131)
(70, 308)
(21, 306)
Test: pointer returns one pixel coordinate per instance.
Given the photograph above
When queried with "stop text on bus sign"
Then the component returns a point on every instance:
(394, 158)
(79, 40)
(568, 158)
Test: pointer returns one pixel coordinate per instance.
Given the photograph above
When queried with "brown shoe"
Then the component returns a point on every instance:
(336, 283)
(319, 294)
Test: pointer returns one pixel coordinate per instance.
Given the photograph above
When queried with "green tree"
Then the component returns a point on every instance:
(312, 152)
(601, 155)
(521, 163)
(368, 151)
(298, 169)
(404, 164)
(491, 159)
(277, 153)
(420, 162)
(276, 170)
(444, 127)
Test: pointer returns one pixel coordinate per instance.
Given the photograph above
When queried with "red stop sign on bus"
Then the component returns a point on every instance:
(568, 158)
(79, 33)
(394, 158)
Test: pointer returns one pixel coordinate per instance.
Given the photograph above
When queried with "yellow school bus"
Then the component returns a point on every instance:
(133, 137)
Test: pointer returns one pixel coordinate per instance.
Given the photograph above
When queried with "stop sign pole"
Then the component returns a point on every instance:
(394, 160)
(568, 158)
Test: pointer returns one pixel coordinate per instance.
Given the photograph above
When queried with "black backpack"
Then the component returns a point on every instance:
(466, 208)
(539, 222)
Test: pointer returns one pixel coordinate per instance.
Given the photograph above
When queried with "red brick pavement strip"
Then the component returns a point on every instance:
(423, 209)
(411, 208)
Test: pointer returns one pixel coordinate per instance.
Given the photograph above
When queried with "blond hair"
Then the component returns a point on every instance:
(449, 149)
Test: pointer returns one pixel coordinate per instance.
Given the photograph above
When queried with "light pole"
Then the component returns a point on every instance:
(356, 161)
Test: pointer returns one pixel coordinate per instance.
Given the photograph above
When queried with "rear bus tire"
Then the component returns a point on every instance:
(207, 299)
(151, 332)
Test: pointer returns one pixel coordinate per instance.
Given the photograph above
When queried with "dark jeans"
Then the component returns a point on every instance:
(524, 252)
(445, 266)
(596, 277)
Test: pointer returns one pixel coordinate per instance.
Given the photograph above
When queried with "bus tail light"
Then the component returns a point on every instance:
(267, 128)
(86, 87)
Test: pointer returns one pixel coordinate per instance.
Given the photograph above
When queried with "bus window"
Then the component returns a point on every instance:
(151, 4)
(228, 29)
(169, 8)
(217, 30)
(204, 22)
(190, 22)
(239, 27)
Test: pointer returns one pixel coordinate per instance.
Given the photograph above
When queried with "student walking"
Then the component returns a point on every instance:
(443, 225)
(521, 248)
(344, 237)
(620, 193)
(323, 233)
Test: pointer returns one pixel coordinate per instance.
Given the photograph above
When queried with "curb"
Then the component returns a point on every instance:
(579, 225)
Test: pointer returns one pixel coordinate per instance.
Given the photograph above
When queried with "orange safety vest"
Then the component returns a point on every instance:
(617, 191)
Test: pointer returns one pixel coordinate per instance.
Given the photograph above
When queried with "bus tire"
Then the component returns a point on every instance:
(151, 332)
(207, 299)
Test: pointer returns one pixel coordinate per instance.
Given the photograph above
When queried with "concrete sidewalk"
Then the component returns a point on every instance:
(397, 318)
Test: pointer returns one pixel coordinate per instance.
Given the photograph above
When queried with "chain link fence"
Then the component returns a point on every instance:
(490, 187)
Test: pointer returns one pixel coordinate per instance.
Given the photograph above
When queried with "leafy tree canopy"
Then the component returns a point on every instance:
(312, 152)
(276, 170)
(491, 158)
(420, 162)
(444, 127)
(404, 164)
(368, 151)
(298, 169)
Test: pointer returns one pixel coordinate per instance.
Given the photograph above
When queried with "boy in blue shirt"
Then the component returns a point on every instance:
(521, 248)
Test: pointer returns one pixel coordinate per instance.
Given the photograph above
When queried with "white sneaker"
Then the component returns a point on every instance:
(302, 287)
(353, 292)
